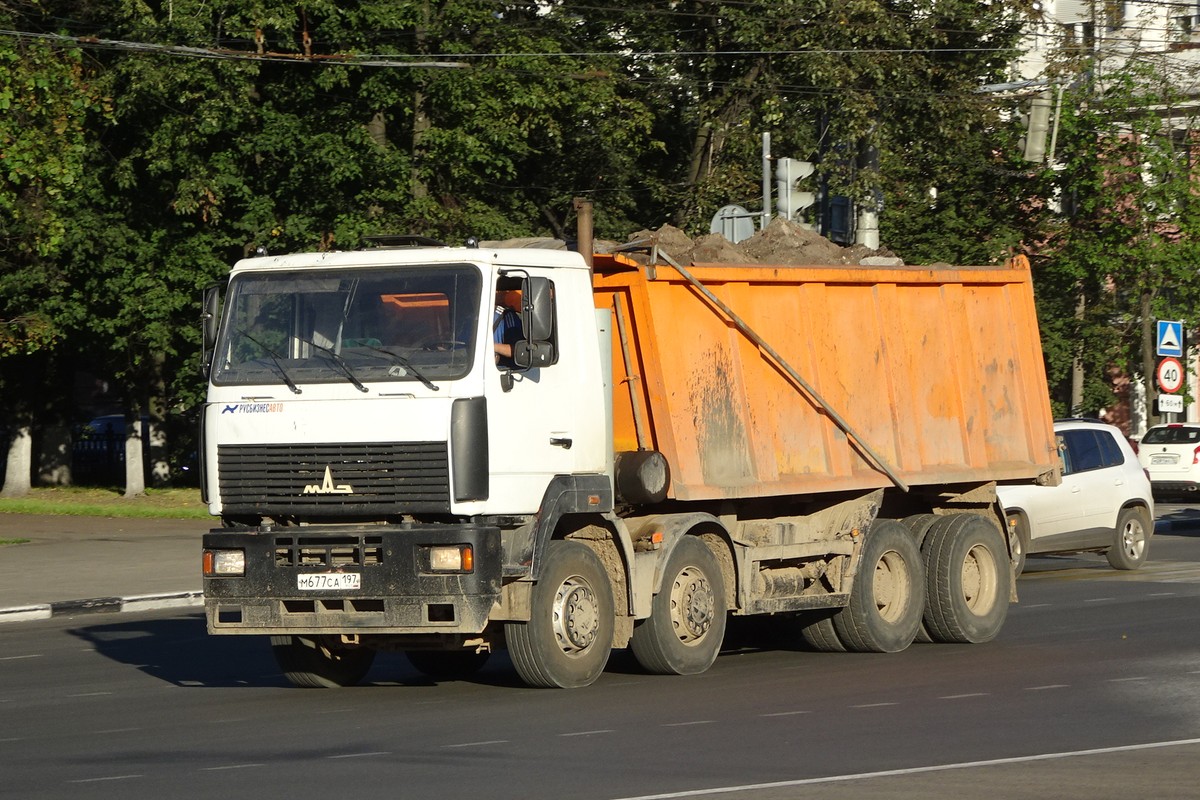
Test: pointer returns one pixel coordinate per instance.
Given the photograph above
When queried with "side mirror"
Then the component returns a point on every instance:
(527, 354)
(210, 307)
(537, 314)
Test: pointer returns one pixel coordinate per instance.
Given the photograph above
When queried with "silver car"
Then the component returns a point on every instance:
(1103, 505)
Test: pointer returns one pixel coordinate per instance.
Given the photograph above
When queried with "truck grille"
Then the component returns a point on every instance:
(329, 552)
(334, 479)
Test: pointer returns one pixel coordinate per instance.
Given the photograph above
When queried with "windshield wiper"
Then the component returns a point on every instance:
(287, 379)
(339, 361)
(404, 362)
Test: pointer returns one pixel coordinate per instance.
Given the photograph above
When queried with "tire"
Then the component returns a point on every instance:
(888, 595)
(968, 571)
(820, 635)
(1019, 541)
(447, 665)
(1131, 543)
(567, 641)
(319, 662)
(918, 525)
(686, 626)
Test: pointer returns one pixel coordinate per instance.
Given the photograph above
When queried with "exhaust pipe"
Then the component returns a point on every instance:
(585, 238)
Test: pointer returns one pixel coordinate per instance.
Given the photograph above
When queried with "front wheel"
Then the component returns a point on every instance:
(1019, 541)
(568, 638)
(686, 626)
(1131, 545)
(320, 662)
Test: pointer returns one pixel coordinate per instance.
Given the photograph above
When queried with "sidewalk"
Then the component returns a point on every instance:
(82, 564)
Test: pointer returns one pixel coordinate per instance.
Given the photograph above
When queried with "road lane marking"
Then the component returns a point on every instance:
(1048, 686)
(685, 724)
(588, 733)
(108, 778)
(1134, 678)
(229, 766)
(874, 705)
(478, 744)
(17, 658)
(361, 755)
(785, 713)
(758, 787)
(90, 694)
(963, 696)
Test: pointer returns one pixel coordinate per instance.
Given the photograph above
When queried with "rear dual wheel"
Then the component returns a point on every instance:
(886, 600)
(968, 576)
(888, 595)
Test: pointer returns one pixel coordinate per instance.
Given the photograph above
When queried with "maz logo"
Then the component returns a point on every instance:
(327, 486)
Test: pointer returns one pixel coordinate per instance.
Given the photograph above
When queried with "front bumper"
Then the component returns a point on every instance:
(399, 592)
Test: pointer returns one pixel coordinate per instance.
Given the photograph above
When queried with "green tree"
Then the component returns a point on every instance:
(44, 97)
(1125, 251)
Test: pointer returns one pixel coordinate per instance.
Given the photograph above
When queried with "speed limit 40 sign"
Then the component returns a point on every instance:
(1170, 375)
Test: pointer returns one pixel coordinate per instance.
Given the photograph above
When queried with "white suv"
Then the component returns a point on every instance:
(1171, 455)
(1103, 504)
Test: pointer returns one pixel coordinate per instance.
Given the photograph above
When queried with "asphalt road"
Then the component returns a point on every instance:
(1091, 691)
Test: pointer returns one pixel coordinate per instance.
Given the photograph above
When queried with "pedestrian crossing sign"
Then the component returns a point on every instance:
(1170, 338)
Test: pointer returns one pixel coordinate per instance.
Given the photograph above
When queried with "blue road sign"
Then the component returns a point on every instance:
(1170, 338)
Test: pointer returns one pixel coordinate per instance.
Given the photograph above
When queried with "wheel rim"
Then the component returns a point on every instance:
(576, 615)
(980, 580)
(692, 605)
(1014, 539)
(891, 586)
(1133, 539)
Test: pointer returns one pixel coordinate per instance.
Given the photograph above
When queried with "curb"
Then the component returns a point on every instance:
(1176, 525)
(102, 605)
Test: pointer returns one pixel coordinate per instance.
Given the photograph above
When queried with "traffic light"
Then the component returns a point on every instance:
(1039, 127)
(792, 201)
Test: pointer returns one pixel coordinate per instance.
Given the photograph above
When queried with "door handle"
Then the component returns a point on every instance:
(562, 442)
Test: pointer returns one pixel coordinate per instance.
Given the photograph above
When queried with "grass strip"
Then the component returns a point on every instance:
(108, 502)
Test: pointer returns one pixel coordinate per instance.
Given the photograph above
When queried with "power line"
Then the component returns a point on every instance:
(412, 61)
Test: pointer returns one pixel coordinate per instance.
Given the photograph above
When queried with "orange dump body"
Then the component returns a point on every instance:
(938, 371)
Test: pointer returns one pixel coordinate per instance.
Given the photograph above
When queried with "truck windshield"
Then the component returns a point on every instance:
(363, 325)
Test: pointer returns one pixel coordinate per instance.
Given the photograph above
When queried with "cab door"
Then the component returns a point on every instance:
(545, 421)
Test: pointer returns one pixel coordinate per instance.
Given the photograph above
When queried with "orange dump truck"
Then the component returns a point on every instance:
(636, 451)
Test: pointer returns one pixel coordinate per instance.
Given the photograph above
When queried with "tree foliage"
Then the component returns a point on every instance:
(1123, 251)
(148, 145)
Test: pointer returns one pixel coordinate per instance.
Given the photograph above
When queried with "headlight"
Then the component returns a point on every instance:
(452, 558)
(224, 562)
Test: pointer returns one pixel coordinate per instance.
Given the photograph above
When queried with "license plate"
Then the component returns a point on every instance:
(1165, 459)
(328, 581)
